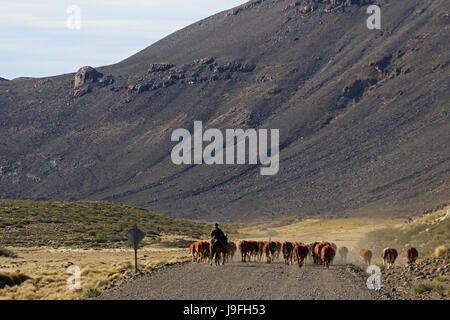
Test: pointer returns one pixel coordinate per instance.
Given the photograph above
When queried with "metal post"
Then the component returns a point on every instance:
(135, 250)
(135, 257)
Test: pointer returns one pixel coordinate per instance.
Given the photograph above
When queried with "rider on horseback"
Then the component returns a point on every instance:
(217, 236)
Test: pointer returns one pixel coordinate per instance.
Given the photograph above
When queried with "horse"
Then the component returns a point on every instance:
(220, 248)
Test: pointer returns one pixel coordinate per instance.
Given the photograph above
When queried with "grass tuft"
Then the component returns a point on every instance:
(426, 286)
(90, 293)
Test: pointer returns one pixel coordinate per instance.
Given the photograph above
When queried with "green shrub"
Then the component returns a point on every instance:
(381, 266)
(90, 293)
(433, 285)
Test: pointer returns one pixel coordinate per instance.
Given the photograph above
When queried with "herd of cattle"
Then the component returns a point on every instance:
(320, 253)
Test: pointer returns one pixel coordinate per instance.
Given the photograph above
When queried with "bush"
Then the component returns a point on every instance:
(14, 279)
(7, 253)
(90, 293)
(434, 285)
(440, 252)
(381, 266)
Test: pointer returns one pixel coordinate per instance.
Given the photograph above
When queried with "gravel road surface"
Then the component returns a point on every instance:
(237, 280)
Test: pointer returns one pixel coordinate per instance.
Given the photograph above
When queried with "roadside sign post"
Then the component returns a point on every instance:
(135, 235)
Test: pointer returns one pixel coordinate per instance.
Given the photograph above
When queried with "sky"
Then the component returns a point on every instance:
(41, 38)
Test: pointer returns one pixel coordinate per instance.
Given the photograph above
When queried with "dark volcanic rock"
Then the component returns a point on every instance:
(363, 115)
(86, 75)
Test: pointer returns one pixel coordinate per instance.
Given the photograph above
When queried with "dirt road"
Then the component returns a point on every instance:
(245, 281)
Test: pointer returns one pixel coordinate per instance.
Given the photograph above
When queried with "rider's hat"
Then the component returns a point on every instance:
(216, 224)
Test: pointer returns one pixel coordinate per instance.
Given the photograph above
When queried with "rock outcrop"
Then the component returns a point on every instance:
(306, 6)
(163, 75)
(86, 76)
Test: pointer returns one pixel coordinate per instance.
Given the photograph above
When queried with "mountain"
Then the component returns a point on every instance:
(363, 115)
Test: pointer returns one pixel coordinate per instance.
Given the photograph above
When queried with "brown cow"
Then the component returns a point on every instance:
(389, 255)
(318, 249)
(335, 248)
(206, 250)
(315, 257)
(343, 252)
(412, 254)
(260, 249)
(254, 249)
(200, 251)
(248, 249)
(300, 252)
(270, 248)
(278, 249)
(197, 251)
(327, 254)
(192, 250)
(244, 249)
(287, 250)
(366, 255)
(231, 249)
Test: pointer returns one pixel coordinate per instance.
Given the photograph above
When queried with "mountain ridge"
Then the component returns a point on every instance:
(358, 134)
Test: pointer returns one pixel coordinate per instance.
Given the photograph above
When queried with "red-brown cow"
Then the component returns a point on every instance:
(300, 253)
(314, 256)
(366, 256)
(270, 248)
(343, 252)
(318, 248)
(412, 254)
(199, 251)
(278, 249)
(244, 249)
(260, 249)
(231, 249)
(254, 249)
(389, 255)
(327, 254)
(287, 250)
(192, 250)
(248, 249)
(203, 251)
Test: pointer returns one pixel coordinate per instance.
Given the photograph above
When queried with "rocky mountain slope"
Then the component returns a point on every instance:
(363, 115)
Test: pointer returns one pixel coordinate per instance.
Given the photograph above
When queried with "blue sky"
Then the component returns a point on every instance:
(36, 42)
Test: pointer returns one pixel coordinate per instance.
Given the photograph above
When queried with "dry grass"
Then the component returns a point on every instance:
(99, 267)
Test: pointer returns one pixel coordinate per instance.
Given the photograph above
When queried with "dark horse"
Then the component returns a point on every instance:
(220, 248)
